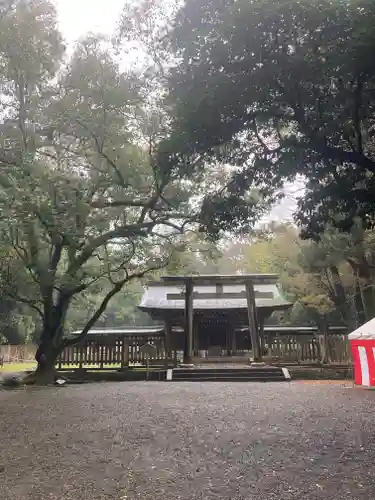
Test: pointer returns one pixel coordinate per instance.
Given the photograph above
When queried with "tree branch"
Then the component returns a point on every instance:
(127, 231)
(27, 302)
(103, 154)
(117, 288)
(345, 156)
(357, 113)
(130, 202)
(320, 145)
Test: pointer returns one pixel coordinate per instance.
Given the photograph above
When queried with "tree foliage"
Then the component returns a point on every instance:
(282, 88)
(85, 209)
(320, 278)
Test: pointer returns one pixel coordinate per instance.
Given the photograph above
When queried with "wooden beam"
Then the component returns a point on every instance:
(226, 295)
(188, 354)
(212, 280)
(253, 324)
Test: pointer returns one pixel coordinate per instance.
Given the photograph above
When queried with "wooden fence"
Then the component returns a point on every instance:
(18, 353)
(120, 352)
(305, 349)
(114, 353)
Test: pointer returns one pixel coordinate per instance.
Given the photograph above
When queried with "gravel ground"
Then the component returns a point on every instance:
(187, 441)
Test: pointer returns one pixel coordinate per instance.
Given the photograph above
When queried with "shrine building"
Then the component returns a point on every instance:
(217, 315)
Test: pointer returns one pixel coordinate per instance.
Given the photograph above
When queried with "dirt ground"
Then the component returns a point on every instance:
(169, 441)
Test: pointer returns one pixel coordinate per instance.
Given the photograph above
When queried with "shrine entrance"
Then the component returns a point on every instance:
(216, 334)
(203, 314)
(217, 337)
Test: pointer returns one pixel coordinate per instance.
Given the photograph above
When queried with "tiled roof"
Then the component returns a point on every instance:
(157, 296)
(158, 330)
(137, 330)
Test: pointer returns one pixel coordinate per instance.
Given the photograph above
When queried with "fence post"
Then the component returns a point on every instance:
(81, 356)
(299, 348)
(122, 353)
(270, 342)
(102, 347)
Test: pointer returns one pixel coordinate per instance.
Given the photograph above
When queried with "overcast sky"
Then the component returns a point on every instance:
(78, 17)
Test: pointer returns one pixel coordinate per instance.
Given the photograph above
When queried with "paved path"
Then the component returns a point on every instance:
(187, 441)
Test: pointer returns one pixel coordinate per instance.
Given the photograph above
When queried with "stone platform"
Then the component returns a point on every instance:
(223, 360)
(227, 373)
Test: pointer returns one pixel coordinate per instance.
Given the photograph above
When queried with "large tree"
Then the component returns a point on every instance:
(84, 206)
(281, 88)
(144, 32)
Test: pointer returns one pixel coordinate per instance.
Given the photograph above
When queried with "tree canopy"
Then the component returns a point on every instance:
(85, 208)
(281, 88)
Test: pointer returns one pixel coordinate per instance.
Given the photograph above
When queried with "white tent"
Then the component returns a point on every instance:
(366, 331)
(363, 347)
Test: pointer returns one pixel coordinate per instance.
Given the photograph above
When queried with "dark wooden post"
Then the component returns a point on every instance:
(232, 345)
(270, 345)
(102, 347)
(253, 324)
(261, 334)
(195, 337)
(82, 345)
(188, 360)
(122, 352)
(59, 359)
(233, 340)
(227, 341)
(229, 330)
(168, 339)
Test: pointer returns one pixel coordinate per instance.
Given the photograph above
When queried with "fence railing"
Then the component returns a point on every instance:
(116, 353)
(17, 353)
(113, 353)
(309, 349)
(122, 352)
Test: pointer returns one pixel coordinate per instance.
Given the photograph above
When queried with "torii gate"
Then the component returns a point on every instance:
(188, 294)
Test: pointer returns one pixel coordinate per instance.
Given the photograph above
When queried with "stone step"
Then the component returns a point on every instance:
(218, 371)
(271, 374)
(230, 379)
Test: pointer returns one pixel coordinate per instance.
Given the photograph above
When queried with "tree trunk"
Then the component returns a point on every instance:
(323, 325)
(367, 295)
(46, 357)
(364, 274)
(46, 372)
(51, 340)
(358, 304)
(338, 296)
